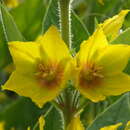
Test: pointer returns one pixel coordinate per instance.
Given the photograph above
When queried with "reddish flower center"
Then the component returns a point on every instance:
(90, 76)
(50, 75)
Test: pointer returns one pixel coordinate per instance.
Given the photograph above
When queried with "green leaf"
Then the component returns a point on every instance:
(5, 57)
(54, 120)
(8, 32)
(101, 12)
(95, 23)
(123, 38)
(79, 32)
(51, 16)
(10, 29)
(28, 17)
(127, 69)
(20, 114)
(117, 112)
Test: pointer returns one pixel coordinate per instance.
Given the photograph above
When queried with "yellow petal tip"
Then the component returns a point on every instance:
(53, 29)
(112, 127)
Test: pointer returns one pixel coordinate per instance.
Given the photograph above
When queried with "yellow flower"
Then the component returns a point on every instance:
(111, 26)
(41, 67)
(28, 128)
(101, 2)
(99, 68)
(41, 123)
(12, 3)
(112, 127)
(2, 125)
(116, 126)
(127, 126)
(75, 124)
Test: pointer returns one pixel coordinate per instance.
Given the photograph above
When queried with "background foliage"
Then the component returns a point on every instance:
(33, 17)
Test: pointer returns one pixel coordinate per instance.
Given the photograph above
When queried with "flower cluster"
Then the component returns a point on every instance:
(43, 67)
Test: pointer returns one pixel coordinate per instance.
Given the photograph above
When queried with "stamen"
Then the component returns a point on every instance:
(49, 75)
(90, 76)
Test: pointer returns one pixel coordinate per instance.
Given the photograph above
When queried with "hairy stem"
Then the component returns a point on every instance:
(65, 28)
(65, 22)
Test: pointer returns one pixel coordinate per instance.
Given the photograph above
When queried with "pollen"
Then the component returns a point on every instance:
(49, 75)
(90, 75)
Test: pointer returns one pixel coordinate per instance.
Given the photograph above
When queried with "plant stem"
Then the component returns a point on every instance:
(65, 22)
(68, 113)
(65, 28)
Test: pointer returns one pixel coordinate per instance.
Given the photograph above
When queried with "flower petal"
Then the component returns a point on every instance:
(25, 55)
(112, 85)
(101, 2)
(112, 25)
(115, 85)
(127, 126)
(53, 45)
(93, 94)
(29, 128)
(89, 49)
(112, 127)
(2, 124)
(12, 3)
(114, 59)
(28, 86)
(75, 124)
(41, 123)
